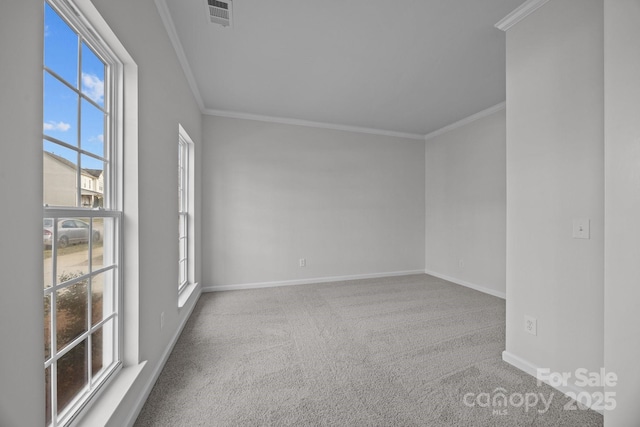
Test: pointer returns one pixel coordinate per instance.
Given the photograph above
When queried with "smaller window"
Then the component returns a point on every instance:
(185, 210)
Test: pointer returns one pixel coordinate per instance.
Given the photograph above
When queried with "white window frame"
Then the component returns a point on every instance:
(113, 236)
(186, 220)
(183, 213)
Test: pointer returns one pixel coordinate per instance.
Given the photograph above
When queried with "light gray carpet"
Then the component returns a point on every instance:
(400, 351)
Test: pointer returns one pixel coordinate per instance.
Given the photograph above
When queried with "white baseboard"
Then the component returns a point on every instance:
(532, 370)
(140, 401)
(307, 281)
(483, 289)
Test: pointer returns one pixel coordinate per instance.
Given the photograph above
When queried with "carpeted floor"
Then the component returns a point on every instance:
(402, 351)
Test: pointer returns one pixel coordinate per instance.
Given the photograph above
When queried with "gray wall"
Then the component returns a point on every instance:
(466, 204)
(349, 203)
(622, 207)
(555, 161)
(21, 357)
(164, 101)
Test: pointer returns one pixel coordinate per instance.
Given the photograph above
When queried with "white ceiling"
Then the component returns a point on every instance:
(409, 66)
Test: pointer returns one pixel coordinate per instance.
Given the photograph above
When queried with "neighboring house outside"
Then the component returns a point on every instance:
(60, 183)
(92, 186)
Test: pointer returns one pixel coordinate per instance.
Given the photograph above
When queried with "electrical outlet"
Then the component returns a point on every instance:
(530, 325)
(303, 262)
(581, 228)
(162, 320)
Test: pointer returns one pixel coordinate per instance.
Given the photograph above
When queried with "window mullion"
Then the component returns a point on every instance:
(89, 353)
(74, 148)
(79, 121)
(54, 392)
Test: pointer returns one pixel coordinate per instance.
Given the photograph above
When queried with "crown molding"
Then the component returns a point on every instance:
(524, 10)
(480, 115)
(307, 123)
(165, 15)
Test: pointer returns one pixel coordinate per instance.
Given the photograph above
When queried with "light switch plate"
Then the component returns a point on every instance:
(581, 228)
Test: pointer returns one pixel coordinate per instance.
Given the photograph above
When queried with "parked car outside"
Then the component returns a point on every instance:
(70, 231)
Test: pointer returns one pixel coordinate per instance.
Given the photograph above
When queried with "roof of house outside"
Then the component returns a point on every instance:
(93, 172)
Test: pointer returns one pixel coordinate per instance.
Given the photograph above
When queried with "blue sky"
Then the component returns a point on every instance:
(61, 103)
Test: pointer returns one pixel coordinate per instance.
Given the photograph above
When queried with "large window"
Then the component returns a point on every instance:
(82, 213)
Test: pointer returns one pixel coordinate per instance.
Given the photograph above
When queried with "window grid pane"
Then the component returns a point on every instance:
(72, 375)
(183, 276)
(84, 303)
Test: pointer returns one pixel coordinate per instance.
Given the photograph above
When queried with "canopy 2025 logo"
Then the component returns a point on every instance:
(597, 400)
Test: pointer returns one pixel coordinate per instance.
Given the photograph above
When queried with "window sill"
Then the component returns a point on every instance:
(186, 293)
(104, 405)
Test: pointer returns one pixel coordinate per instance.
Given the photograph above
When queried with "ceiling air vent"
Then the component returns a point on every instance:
(220, 12)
